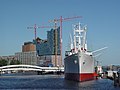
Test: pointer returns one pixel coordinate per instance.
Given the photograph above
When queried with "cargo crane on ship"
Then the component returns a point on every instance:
(55, 21)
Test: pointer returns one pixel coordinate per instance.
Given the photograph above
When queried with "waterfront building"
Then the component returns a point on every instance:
(28, 58)
(28, 54)
(46, 48)
(48, 60)
(51, 41)
(28, 46)
(8, 58)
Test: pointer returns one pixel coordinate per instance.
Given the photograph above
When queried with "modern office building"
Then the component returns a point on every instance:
(51, 40)
(46, 48)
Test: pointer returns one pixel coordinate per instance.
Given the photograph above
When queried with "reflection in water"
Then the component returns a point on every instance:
(52, 82)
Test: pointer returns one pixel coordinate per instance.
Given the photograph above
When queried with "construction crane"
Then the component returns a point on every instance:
(35, 28)
(55, 21)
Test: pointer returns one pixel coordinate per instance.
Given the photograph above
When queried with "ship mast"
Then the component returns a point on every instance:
(80, 43)
(74, 40)
(71, 42)
(84, 39)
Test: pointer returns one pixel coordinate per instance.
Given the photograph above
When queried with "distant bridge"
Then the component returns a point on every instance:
(30, 68)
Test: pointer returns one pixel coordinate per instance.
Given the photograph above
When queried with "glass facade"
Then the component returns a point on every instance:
(47, 47)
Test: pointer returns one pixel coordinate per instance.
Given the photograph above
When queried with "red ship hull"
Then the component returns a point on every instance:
(79, 77)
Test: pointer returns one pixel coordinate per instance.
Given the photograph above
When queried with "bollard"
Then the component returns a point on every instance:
(114, 79)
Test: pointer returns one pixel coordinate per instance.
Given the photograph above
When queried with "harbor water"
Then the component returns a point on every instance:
(51, 82)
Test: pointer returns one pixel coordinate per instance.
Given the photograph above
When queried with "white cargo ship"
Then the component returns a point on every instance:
(79, 62)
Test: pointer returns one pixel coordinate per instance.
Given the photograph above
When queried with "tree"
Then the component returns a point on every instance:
(3, 62)
(14, 62)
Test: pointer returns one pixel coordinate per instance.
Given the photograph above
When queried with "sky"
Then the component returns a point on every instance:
(102, 18)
